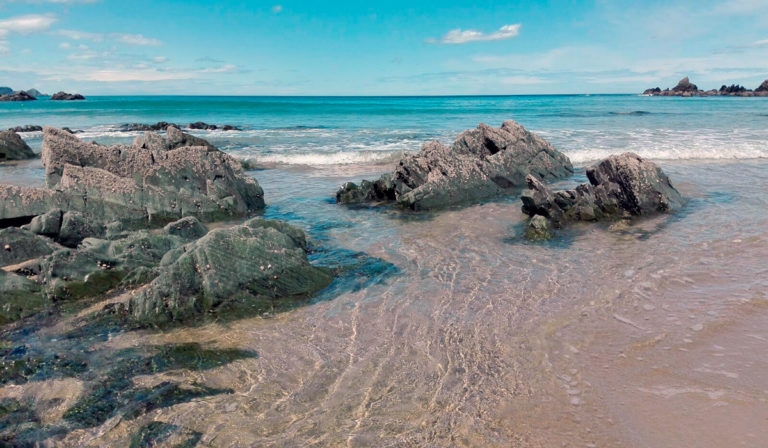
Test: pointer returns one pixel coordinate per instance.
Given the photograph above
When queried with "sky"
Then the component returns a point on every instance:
(195, 47)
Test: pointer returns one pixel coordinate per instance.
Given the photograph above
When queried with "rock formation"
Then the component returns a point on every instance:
(34, 92)
(685, 88)
(247, 265)
(154, 181)
(620, 186)
(17, 96)
(12, 147)
(481, 163)
(63, 96)
(27, 128)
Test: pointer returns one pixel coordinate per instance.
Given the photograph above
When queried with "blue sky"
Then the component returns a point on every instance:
(378, 48)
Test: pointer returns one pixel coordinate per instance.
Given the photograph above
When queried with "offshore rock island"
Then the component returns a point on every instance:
(686, 88)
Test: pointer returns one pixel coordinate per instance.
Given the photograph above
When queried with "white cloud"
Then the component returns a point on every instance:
(132, 75)
(160, 59)
(30, 23)
(459, 36)
(65, 45)
(277, 8)
(26, 24)
(223, 69)
(80, 35)
(126, 38)
(135, 39)
(761, 43)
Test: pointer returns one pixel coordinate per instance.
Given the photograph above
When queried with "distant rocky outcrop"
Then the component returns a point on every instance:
(623, 185)
(162, 125)
(212, 127)
(480, 164)
(36, 93)
(17, 96)
(5, 90)
(27, 128)
(13, 147)
(685, 88)
(63, 96)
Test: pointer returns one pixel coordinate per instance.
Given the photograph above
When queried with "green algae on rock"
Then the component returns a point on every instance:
(250, 265)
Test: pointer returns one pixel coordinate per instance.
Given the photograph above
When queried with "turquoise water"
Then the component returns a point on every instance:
(346, 130)
(451, 330)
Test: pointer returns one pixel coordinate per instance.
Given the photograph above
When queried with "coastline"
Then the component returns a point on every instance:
(474, 334)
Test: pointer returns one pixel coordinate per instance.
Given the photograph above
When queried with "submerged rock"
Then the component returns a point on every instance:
(63, 96)
(13, 147)
(249, 265)
(481, 163)
(621, 185)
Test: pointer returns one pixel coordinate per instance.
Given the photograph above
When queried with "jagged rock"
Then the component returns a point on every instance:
(27, 128)
(685, 85)
(24, 203)
(653, 91)
(156, 180)
(17, 96)
(18, 245)
(5, 90)
(763, 87)
(481, 163)
(63, 96)
(13, 147)
(248, 265)
(621, 185)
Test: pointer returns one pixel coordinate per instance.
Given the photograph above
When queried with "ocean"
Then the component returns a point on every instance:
(446, 328)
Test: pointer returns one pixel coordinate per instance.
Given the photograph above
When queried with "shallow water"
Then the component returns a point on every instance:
(459, 333)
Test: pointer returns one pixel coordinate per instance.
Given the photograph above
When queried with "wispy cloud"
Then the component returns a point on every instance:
(459, 36)
(761, 43)
(26, 24)
(147, 75)
(223, 69)
(135, 39)
(126, 38)
(277, 8)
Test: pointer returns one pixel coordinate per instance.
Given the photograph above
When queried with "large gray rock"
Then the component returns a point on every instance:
(621, 185)
(63, 96)
(762, 87)
(155, 181)
(249, 265)
(481, 163)
(13, 147)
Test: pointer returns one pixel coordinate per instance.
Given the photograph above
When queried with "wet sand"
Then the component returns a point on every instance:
(646, 335)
